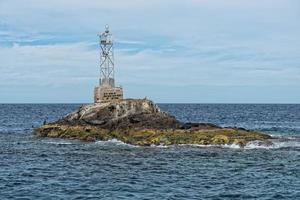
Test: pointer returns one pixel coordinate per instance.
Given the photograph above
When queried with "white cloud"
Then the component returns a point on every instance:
(72, 64)
(46, 65)
(172, 42)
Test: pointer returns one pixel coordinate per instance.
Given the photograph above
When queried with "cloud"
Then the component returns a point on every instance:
(77, 63)
(191, 43)
(46, 65)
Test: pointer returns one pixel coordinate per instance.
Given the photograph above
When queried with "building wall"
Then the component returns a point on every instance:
(107, 94)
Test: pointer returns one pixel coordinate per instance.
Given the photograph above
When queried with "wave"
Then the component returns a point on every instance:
(114, 142)
(233, 146)
(161, 146)
(277, 143)
(277, 136)
(58, 142)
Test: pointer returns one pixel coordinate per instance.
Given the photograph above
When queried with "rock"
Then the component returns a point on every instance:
(122, 114)
(141, 122)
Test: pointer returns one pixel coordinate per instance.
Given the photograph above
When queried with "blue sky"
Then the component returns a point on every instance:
(193, 51)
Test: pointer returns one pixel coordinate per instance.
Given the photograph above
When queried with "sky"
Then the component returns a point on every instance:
(171, 51)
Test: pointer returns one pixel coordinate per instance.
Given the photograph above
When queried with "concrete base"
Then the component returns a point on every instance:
(104, 94)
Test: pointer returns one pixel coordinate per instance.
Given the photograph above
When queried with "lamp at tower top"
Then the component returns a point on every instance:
(106, 37)
(106, 28)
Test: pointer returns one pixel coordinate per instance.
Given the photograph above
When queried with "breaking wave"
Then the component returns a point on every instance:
(277, 143)
(114, 142)
(58, 142)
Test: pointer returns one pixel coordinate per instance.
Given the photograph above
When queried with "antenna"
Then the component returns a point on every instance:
(107, 70)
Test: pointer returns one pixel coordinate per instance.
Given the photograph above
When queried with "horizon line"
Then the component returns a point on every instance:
(270, 103)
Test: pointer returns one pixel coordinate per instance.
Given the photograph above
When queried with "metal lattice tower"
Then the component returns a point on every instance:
(106, 59)
(106, 91)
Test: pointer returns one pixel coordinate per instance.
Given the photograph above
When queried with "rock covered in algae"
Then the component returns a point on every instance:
(141, 122)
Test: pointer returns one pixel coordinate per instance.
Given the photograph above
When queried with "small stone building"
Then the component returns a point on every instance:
(103, 94)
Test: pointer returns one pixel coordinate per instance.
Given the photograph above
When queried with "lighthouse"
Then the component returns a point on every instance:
(106, 91)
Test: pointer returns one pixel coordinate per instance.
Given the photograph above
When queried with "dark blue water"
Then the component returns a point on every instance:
(35, 168)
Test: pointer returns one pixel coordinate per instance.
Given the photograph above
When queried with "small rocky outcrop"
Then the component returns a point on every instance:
(141, 122)
(121, 115)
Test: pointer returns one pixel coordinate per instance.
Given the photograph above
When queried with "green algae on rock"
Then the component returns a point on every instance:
(141, 122)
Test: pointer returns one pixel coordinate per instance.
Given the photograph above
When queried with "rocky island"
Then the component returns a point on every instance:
(141, 122)
(135, 121)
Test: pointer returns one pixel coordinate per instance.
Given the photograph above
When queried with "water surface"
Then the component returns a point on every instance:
(35, 168)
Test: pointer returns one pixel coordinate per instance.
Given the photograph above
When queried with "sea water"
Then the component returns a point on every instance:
(41, 168)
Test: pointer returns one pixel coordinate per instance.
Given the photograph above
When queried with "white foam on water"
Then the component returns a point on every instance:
(115, 142)
(283, 137)
(276, 144)
(258, 145)
(284, 142)
(198, 145)
(161, 146)
(231, 146)
(58, 142)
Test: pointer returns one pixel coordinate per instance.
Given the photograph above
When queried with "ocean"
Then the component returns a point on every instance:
(43, 168)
